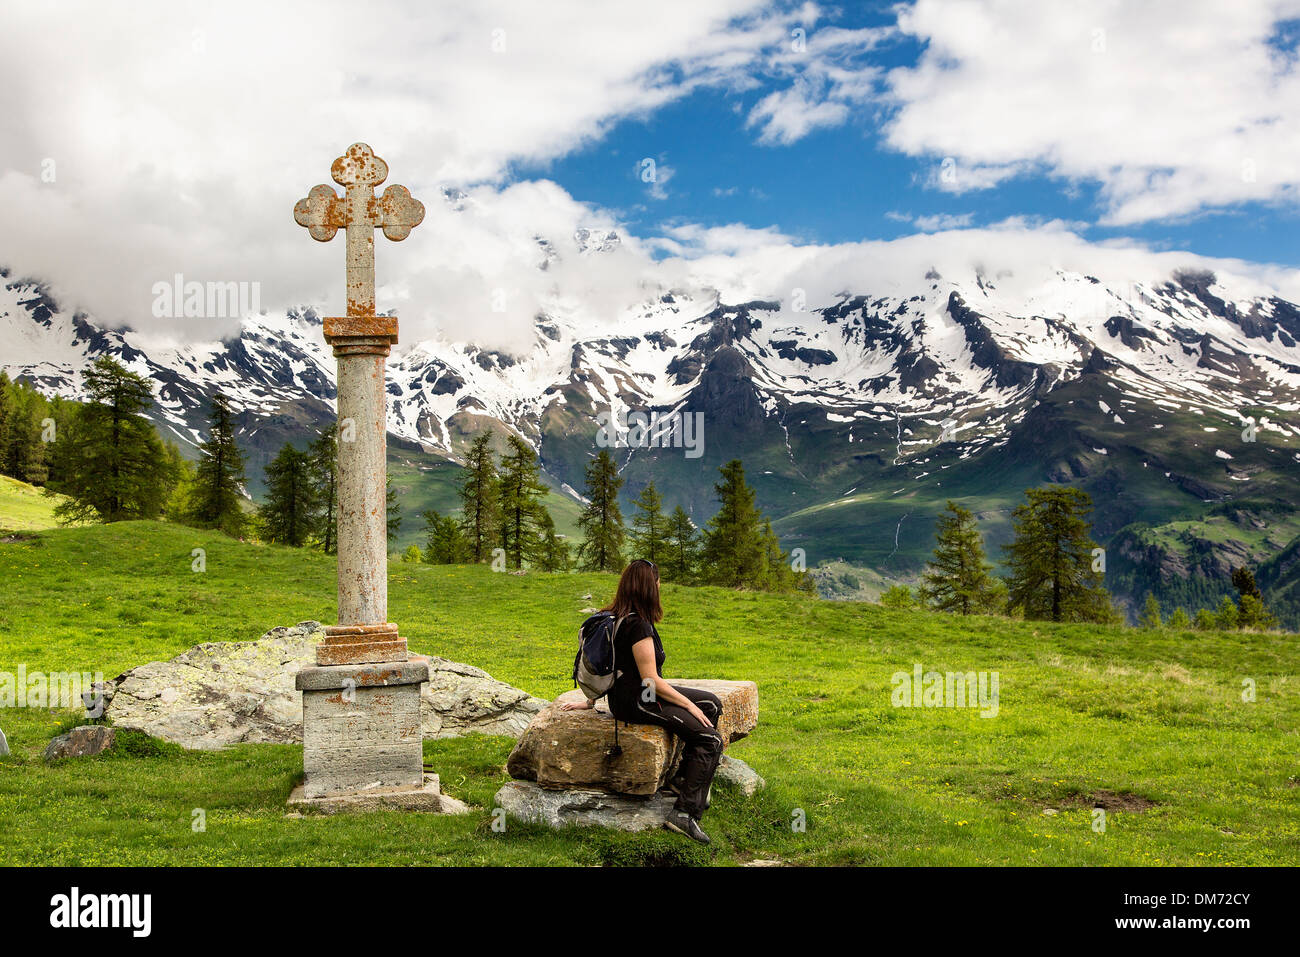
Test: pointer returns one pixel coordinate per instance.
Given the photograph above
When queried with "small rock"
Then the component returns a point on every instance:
(737, 774)
(1050, 811)
(526, 801)
(81, 742)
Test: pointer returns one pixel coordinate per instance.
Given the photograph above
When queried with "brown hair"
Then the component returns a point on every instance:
(638, 592)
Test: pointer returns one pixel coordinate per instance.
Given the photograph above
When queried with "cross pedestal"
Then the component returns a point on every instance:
(362, 746)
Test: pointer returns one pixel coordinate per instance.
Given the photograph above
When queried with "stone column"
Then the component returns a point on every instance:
(362, 742)
(363, 633)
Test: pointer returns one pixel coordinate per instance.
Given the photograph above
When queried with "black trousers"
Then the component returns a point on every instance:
(702, 744)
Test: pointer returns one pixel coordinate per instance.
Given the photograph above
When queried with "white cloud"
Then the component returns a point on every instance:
(1172, 106)
(182, 134)
(830, 76)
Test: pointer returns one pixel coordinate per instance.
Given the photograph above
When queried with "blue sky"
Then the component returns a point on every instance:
(846, 183)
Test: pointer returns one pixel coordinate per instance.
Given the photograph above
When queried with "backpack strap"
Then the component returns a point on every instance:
(618, 622)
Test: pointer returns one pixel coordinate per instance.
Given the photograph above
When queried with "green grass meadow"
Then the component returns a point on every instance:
(1151, 724)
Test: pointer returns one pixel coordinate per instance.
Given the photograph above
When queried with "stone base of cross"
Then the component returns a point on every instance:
(362, 744)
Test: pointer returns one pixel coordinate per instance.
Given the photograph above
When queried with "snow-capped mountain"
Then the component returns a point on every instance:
(844, 411)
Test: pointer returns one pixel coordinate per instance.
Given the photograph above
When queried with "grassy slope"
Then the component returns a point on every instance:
(1083, 709)
(25, 508)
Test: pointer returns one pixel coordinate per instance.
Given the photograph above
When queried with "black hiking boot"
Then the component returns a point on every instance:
(680, 822)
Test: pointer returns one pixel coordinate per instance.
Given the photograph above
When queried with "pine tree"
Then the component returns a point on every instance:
(650, 525)
(393, 509)
(957, 579)
(1226, 616)
(218, 500)
(1179, 620)
(1050, 560)
(1243, 579)
(290, 514)
(522, 490)
(1252, 614)
(324, 453)
(178, 499)
(480, 498)
(553, 551)
(25, 452)
(445, 542)
(683, 548)
(6, 420)
(1151, 615)
(601, 520)
(112, 465)
(733, 553)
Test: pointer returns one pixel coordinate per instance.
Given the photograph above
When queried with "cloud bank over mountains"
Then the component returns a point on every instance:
(163, 138)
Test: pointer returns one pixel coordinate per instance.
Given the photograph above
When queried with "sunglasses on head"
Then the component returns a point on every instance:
(653, 566)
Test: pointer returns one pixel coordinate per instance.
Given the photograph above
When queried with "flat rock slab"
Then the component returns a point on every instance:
(527, 801)
(222, 693)
(81, 742)
(573, 749)
(428, 798)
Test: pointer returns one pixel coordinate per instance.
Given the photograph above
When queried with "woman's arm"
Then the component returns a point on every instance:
(644, 653)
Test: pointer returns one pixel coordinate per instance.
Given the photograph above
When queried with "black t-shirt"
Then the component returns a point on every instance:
(627, 679)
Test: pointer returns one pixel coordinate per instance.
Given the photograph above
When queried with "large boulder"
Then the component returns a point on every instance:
(527, 801)
(222, 693)
(573, 749)
(81, 742)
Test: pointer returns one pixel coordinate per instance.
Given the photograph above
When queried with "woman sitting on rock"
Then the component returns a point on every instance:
(640, 695)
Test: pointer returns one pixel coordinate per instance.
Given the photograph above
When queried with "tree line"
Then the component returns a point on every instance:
(108, 463)
(1055, 572)
(503, 517)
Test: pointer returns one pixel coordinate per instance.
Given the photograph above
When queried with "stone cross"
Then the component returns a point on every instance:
(361, 700)
(361, 342)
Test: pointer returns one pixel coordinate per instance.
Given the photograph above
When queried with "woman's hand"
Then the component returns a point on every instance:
(572, 706)
(694, 709)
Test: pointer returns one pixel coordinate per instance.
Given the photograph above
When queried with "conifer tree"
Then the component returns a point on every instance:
(650, 526)
(552, 551)
(113, 466)
(324, 453)
(289, 515)
(957, 578)
(682, 551)
(521, 493)
(1151, 615)
(480, 500)
(1050, 561)
(733, 552)
(218, 496)
(601, 520)
(445, 542)
(393, 509)
(6, 404)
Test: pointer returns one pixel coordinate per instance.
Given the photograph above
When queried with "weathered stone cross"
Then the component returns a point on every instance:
(361, 700)
(361, 342)
(359, 212)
